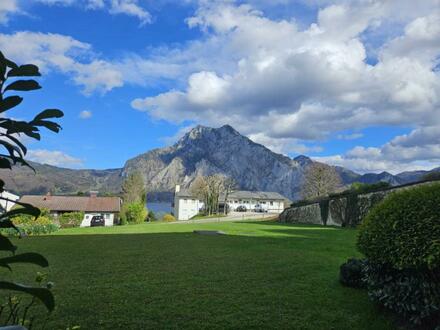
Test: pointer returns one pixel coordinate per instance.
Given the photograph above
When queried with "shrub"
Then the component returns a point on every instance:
(151, 216)
(29, 225)
(413, 294)
(404, 229)
(133, 213)
(351, 273)
(168, 217)
(71, 219)
(401, 239)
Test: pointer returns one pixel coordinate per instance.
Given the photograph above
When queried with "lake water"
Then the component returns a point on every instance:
(159, 208)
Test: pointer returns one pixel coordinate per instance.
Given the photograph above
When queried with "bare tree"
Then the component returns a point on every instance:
(320, 180)
(209, 189)
(229, 185)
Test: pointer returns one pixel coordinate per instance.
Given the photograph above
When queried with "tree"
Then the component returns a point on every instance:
(135, 212)
(229, 185)
(12, 132)
(210, 188)
(134, 196)
(320, 180)
(133, 189)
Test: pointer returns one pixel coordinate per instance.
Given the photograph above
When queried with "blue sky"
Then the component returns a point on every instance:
(349, 83)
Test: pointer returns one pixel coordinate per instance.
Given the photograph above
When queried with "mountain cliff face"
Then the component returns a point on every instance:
(202, 151)
(223, 150)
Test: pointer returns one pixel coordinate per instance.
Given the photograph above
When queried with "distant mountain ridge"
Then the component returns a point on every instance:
(201, 151)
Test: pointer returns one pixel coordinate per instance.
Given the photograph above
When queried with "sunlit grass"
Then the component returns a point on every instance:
(259, 275)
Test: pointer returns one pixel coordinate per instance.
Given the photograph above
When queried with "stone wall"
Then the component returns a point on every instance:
(343, 211)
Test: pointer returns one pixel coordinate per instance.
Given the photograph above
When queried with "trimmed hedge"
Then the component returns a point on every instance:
(412, 294)
(404, 229)
(401, 239)
(71, 219)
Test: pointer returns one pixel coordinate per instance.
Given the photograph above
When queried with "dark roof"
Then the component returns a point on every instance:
(74, 203)
(242, 194)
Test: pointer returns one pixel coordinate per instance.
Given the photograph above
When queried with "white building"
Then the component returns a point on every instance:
(8, 204)
(108, 207)
(187, 206)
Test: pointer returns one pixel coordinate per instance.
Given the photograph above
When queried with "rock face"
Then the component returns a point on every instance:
(202, 151)
(206, 150)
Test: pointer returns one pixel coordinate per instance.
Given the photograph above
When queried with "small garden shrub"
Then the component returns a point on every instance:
(413, 294)
(133, 213)
(168, 217)
(351, 273)
(30, 225)
(400, 237)
(151, 216)
(71, 219)
(404, 229)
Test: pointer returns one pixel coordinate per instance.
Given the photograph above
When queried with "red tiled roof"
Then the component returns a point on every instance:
(74, 203)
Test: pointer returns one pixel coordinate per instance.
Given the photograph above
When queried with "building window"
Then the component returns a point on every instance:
(263, 202)
(271, 202)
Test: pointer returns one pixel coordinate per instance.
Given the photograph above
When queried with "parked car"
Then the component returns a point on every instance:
(259, 208)
(97, 220)
(241, 208)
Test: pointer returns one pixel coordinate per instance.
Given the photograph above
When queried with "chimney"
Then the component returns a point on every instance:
(93, 194)
(177, 188)
(48, 196)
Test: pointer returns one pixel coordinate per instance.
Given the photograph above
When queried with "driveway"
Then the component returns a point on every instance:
(234, 216)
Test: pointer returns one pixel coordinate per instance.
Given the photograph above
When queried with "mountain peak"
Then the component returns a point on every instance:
(303, 160)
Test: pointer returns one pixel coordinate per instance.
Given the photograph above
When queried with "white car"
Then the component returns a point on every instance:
(259, 208)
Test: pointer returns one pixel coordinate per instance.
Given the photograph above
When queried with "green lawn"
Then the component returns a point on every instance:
(260, 275)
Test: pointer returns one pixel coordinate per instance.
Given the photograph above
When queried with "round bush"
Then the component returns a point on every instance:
(351, 273)
(168, 217)
(404, 229)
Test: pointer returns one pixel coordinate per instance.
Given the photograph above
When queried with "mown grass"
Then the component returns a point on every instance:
(260, 275)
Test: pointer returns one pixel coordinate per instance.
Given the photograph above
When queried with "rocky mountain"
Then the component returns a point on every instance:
(202, 151)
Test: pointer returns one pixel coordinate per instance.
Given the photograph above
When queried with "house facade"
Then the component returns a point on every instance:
(108, 207)
(186, 205)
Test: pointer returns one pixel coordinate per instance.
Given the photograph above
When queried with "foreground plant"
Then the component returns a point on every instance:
(11, 133)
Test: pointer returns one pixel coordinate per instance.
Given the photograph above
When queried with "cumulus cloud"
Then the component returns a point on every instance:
(85, 114)
(285, 85)
(55, 158)
(8, 8)
(65, 54)
(420, 149)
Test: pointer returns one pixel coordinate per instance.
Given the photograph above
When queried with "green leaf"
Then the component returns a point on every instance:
(23, 85)
(54, 127)
(6, 245)
(29, 258)
(4, 163)
(10, 102)
(49, 113)
(27, 70)
(44, 295)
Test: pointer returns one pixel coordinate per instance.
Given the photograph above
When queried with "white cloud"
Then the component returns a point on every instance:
(8, 8)
(85, 114)
(286, 85)
(64, 54)
(55, 158)
(113, 7)
(130, 7)
(420, 149)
